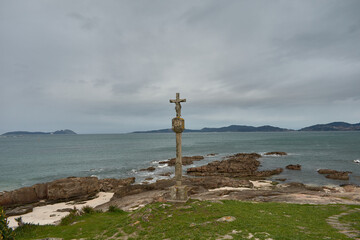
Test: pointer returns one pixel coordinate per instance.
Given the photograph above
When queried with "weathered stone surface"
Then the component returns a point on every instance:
(41, 190)
(139, 188)
(211, 182)
(19, 196)
(24, 195)
(112, 184)
(294, 167)
(19, 210)
(5, 198)
(72, 187)
(276, 153)
(195, 185)
(185, 160)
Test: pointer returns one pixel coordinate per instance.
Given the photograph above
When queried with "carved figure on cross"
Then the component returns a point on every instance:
(177, 102)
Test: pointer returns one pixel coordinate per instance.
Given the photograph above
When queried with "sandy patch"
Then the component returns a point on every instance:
(262, 184)
(229, 189)
(48, 215)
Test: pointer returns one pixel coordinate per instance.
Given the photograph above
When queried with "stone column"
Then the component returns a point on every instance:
(178, 192)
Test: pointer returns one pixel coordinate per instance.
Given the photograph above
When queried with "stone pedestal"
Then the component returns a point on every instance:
(178, 194)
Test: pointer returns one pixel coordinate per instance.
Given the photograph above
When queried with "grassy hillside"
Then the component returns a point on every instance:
(204, 220)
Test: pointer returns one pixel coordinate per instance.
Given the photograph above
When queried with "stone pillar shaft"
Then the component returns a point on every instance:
(178, 164)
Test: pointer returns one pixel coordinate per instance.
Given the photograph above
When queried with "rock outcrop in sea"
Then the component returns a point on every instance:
(185, 160)
(333, 174)
(241, 165)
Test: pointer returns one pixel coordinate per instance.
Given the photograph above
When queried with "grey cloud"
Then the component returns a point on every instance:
(87, 23)
(104, 65)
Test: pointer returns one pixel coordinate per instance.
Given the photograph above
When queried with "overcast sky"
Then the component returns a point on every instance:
(112, 66)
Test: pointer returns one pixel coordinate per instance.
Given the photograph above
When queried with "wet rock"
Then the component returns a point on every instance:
(294, 167)
(149, 178)
(326, 171)
(185, 160)
(238, 165)
(267, 173)
(339, 176)
(167, 174)
(276, 153)
(333, 174)
(242, 165)
(150, 169)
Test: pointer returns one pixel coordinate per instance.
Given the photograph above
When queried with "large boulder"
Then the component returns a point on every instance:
(339, 176)
(73, 187)
(241, 165)
(333, 174)
(238, 165)
(23, 195)
(112, 184)
(293, 167)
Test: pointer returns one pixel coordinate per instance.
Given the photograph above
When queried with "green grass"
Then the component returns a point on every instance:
(197, 220)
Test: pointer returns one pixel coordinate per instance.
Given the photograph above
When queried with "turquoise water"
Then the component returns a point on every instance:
(26, 160)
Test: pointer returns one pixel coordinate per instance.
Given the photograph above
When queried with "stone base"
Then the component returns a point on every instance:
(178, 194)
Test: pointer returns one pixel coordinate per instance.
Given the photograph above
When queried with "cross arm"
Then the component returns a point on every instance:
(177, 100)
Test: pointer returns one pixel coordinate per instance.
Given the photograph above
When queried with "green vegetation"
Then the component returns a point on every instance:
(199, 220)
(6, 233)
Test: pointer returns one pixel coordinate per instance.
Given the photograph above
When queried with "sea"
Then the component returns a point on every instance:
(30, 159)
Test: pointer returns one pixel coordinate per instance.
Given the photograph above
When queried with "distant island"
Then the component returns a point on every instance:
(334, 126)
(231, 128)
(59, 132)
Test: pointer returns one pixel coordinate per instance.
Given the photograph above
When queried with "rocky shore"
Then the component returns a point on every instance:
(234, 177)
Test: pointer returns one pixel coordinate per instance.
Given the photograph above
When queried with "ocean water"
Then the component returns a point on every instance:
(27, 160)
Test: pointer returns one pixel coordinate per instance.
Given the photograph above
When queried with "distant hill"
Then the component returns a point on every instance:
(17, 133)
(231, 128)
(334, 126)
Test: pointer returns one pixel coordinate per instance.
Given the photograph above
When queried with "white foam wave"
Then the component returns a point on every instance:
(158, 161)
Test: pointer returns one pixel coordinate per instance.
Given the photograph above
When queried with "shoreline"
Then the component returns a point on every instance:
(235, 177)
(161, 169)
(257, 191)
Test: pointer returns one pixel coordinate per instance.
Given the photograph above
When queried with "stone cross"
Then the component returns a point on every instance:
(177, 102)
(178, 192)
